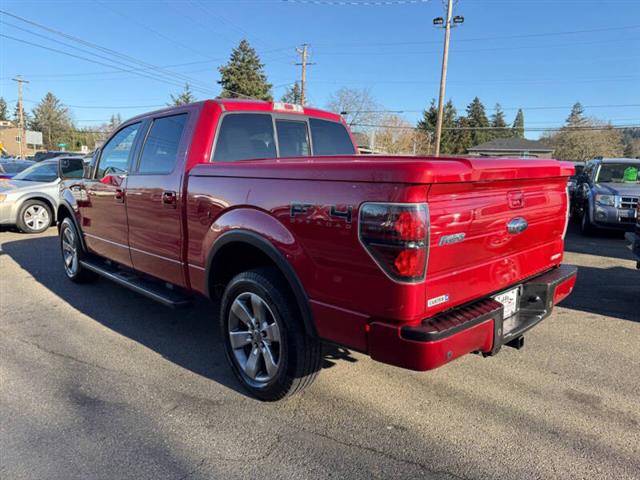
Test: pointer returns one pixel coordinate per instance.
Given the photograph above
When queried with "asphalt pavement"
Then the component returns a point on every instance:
(97, 382)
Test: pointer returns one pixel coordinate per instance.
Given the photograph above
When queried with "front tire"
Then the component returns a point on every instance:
(34, 216)
(72, 253)
(264, 338)
(586, 227)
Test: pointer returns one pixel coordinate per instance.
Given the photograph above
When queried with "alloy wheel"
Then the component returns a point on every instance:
(36, 217)
(254, 335)
(69, 252)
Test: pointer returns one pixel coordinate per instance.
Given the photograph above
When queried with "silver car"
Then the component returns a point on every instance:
(30, 199)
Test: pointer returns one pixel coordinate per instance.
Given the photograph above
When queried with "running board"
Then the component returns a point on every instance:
(149, 288)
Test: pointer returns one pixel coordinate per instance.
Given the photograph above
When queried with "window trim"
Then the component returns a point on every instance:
(136, 163)
(131, 151)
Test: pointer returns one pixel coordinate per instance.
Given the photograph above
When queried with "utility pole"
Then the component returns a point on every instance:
(445, 59)
(20, 114)
(304, 53)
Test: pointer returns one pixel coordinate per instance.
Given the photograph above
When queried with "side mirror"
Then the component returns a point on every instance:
(71, 168)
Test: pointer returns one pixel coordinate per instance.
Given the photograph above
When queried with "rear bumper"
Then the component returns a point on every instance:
(478, 326)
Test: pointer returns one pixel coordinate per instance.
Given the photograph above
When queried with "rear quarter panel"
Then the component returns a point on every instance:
(339, 277)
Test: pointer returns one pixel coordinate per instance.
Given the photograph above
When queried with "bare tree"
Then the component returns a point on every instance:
(357, 106)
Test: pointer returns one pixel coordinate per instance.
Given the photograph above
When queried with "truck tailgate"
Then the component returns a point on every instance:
(472, 252)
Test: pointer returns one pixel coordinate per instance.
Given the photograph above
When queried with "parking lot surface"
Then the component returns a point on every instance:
(99, 382)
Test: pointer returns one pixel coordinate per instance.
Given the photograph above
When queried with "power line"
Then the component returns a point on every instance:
(563, 107)
(535, 129)
(157, 70)
(356, 3)
(481, 39)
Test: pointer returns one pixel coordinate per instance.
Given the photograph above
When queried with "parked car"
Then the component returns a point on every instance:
(9, 167)
(30, 199)
(633, 238)
(41, 156)
(571, 184)
(415, 261)
(607, 194)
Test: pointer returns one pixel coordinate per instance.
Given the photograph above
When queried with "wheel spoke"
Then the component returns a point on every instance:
(269, 362)
(257, 305)
(251, 367)
(272, 333)
(239, 339)
(240, 311)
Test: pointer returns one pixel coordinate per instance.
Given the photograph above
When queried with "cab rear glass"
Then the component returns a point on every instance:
(250, 136)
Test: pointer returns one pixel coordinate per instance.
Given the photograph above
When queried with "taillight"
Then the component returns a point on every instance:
(396, 237)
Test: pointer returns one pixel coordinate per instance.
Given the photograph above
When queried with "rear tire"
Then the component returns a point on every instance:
(72, 253)
(34, 216)
(264, 337)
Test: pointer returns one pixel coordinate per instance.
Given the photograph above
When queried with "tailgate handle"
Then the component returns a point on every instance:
(517, 225)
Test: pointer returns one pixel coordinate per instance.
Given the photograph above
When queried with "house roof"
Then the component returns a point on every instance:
(510, 144)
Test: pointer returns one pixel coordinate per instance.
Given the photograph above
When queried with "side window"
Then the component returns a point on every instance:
(330, 138)
(115, 154)
(245, 136)
(293, 139)
(160, 150)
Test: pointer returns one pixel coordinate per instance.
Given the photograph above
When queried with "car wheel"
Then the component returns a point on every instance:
(34, 217)
(586, 227)
(72, 253)
(264, 338)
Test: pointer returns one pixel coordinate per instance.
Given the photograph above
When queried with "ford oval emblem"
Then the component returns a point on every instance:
(517, 225)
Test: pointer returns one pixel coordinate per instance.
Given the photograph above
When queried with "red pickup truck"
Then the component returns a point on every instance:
(414, 261)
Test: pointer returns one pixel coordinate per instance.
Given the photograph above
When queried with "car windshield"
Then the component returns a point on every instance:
(41, 172)
(618, 173)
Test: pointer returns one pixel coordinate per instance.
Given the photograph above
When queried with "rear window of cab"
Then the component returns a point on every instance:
(250, 136)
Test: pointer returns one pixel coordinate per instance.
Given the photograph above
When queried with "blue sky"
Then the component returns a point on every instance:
(521, 53)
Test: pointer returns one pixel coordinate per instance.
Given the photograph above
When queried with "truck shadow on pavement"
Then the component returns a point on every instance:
(608, 290)
(188, 337)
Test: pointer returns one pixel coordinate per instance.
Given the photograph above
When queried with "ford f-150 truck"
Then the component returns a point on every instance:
(414, 261)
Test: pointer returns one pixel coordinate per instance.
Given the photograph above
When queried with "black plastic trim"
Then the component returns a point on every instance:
(65, 204)
(422, 333)
(266, 247)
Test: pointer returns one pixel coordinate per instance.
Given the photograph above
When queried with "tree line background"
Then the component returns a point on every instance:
(243, 76)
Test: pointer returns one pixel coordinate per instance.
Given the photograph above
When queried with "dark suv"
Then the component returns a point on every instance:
(607, 194)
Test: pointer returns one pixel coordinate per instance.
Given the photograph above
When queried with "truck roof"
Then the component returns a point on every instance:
(237, 104)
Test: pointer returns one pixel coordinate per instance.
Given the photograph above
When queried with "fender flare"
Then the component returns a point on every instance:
(265, 246)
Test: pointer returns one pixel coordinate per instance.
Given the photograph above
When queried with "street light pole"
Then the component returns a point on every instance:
(443, 75)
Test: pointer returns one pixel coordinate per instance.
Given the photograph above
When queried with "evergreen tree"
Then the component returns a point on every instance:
(52, 118)
(576, 117)
(184, 98)
(293, 94)
(464, 135)
(4, 113)
(478, 121)
(449, 137)
(16, 115)
(517, 130)
(499, 122)
(243, 75)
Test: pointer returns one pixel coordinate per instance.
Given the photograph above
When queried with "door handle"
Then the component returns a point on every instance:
(169, 199)
(119, 195)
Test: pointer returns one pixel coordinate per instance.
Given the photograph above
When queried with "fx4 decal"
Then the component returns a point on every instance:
(325, 215)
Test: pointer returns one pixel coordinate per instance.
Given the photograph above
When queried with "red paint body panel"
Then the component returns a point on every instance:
(352, 301)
